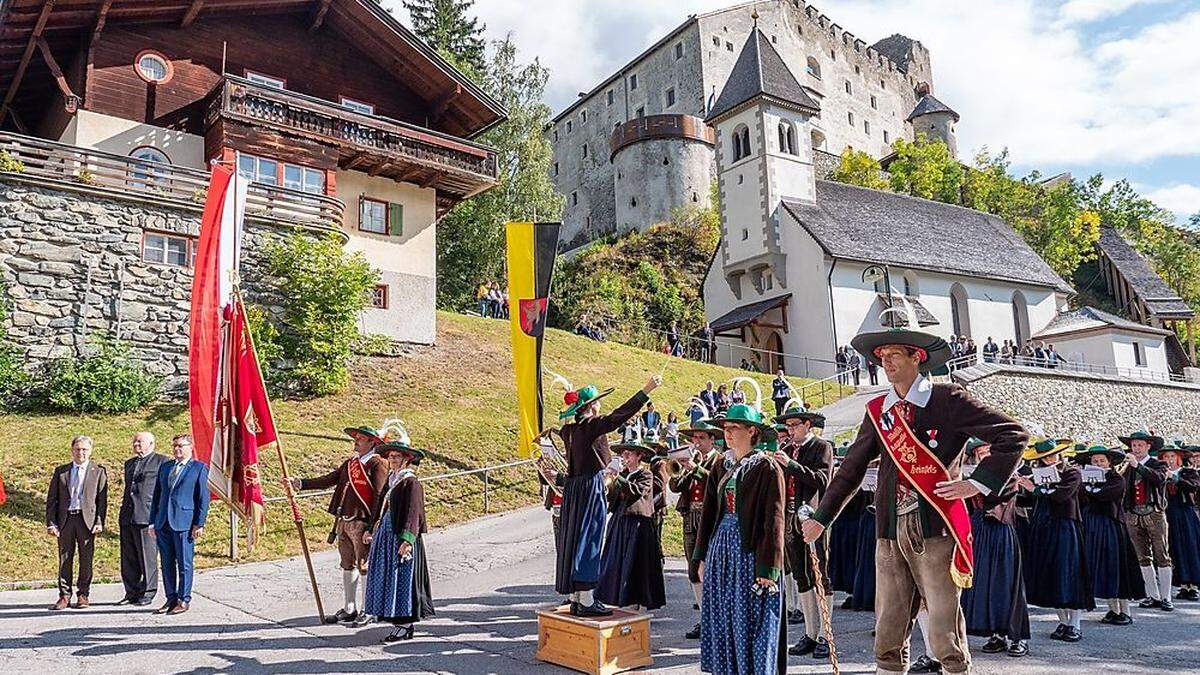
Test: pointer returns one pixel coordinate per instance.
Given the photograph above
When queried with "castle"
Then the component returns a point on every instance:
(636, 147)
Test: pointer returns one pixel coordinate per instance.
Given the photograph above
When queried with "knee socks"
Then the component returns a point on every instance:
(1151, 583)
(350, 590)
(697, 591)
(1063, 616)
(1074, 617)
(586, 599)
(923, 624)
(812, 614)
(1123, 607)
(1164, 582)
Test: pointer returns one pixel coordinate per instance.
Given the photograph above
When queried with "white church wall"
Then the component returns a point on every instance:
(1112, 347)
(740, 184)
(810, 326)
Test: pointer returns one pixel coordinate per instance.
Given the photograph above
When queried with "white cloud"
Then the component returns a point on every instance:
(1084, 11)
(1182, 199)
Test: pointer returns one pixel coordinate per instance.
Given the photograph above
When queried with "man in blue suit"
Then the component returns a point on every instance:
(177, 516)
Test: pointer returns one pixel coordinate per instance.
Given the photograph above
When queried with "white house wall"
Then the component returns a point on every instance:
(1112, 347)
(120, 136)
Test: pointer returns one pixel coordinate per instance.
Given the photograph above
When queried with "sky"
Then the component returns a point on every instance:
(1086, 86)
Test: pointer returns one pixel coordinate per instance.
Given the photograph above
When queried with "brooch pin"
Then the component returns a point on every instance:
(933, 438)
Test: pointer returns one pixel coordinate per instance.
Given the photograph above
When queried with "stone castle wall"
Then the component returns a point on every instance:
(1087, 407)
(71, 263)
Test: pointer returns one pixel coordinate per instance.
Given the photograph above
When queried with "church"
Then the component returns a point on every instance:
(805, 264)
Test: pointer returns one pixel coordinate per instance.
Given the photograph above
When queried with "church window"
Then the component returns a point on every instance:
(610, 97)
(695, 197)
(874, 103)
(556, 168)
(570, 125)
(745, 234)
(741, 142)
(670, 97)
(633, 201)
(867, 127)
(574, 199)
(716, 41)
(849, 87)
(832, 55)
(814, 68)
(666, 161)
(774, 40)
(728, 46)
(857, 70)
(556, 135)
(584, 149)
(787, 138)
(741, 179)
(882, 85)
(885, 136)
(583, 117)
(633, 81)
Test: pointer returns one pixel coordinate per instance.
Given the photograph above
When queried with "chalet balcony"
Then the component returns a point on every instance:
(50, 163)
(244, 114)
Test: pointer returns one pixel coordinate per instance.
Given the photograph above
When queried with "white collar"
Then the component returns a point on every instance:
(918, 394)
(367, 457)
(82, 468)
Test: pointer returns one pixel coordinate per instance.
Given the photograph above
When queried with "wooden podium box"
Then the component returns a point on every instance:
(600, 646)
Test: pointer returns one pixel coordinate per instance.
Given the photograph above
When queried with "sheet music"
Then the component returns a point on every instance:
(1043, 475)
(967, 470)
(1093, 474)
(871, 479)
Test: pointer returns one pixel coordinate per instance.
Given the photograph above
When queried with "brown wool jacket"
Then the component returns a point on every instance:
(809, 471)
(956, 416)
(344, 502)
(408, 509)
(635, 491)
(587, 440)
(760, 512)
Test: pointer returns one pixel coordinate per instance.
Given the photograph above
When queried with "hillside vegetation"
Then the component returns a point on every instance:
(457, 399)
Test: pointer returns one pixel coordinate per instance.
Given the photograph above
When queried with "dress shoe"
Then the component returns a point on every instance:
(167, 606)
(1058, 632)
(142, 602)
(1149, 603)
(694, 633)
(363, 619)
(806, 645)
(1018, 648)
(821, 651)
(1193, 594)
(1071, 634)
(401, 633)
(341, 616)
(596, 609)
(995, 645)
(848, 603)
(926, 665)
(64, 601)
(125, 601)
(1166, 605)
(1122, 619)
(179, 608)
(82, 602)
(1109, 617)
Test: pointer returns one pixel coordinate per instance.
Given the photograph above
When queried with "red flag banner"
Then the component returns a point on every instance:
(3, 494)
(254, 431)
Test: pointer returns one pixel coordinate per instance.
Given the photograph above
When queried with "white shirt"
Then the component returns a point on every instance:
(366, 457)
(78, 473)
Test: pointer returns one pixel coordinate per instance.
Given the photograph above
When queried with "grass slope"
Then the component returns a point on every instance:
(457, 398)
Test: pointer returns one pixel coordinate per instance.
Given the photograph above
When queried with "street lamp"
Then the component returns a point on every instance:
(873, 275)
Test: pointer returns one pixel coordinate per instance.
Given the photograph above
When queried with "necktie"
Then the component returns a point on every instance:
(175, 473)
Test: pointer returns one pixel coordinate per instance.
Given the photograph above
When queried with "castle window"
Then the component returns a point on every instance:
(556, 135)
(379, 297)
(850, 118)
(774, 40)
(745, 234)
(610, 97)
(867, 127)
(666, 161)
(857, 70)
(814, 68)
(716, 41)
(569, 126)
(849, 87)
(741, 179)
(728, 46)
(787, 138)
(633, 81)
(882, 85)
(695, 197)
(574, 199)
(833, 55)
(167, 249)
(556, 168)
(741, 142)
(583, 148)
(874, 103)
(678, 51)
(885, 136)
(633, 201)
(670, 97)
(583, 117)
(153, 67)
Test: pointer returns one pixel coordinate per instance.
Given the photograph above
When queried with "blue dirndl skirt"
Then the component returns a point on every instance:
(1112, 562)
(631, 566)
(1183, 526)
(863, 594)
(396, 591)
(580, 533)
(843, 548)
(995, 603)
(739, 629)
(1056, 571)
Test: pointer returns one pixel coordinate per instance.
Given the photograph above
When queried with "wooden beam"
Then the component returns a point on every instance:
(443, 102)
(101, 19)
(408, 175)
(25, 58)
(357, 160)
(431, 179)
(72, 101)
(319, 13)
(193, 11)
(25, 130)
(379, 168)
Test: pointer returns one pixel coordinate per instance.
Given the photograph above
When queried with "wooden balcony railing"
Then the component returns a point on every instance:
(121, 176)
(236, 97)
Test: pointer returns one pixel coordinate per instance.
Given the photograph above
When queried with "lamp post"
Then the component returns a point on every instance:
(873, 275)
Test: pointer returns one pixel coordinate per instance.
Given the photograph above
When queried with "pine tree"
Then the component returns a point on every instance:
(450, 29)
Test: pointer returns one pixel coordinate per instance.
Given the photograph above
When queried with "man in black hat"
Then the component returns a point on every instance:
(689, 484)
(923, 548)
(807, 461)
(1145, 515)
(357, 485)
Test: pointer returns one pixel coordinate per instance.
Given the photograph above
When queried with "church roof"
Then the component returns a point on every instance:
(1147, 285)
(760, 71)
(929, 105)
(874, 226)
(1090, 318)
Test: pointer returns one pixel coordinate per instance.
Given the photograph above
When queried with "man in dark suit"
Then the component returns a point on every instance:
(76, 508)
(921, 526)
(177, 515)
(139, 552)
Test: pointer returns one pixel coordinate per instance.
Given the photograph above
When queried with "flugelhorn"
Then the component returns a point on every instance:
(548, 456)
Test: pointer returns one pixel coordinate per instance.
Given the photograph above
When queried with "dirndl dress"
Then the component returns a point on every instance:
(631, 567)
(862, 597)
(397, 591)
(843, 546)
(740, 629)
(995, 603)
(581, 533)
(1112, 562)
(1183, 526)
(1056, 574)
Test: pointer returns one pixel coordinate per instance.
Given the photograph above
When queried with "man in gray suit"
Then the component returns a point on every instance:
(76, 507)
(139, 552)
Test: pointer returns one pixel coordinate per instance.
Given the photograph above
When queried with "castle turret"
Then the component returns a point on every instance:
(936, 120)
(764, 154)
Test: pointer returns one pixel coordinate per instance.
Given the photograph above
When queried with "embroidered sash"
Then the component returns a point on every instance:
(924, 471)
(360, 484)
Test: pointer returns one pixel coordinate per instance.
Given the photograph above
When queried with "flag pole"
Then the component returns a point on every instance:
(287, 481)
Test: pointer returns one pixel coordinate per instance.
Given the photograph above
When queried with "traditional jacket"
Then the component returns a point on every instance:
(690, 486)
(808, 471)
(954, 416)
(1183, 488)
(759, 504)
(1063, 496)
(587, 440)
(345, 501)
(634, 490)
(1148, 477)
(1000, 506)
(1107, 498)
(408, 509)
(661, 472)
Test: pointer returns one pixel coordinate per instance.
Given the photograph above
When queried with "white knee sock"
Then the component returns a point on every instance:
(923, 624)
(1151, 583)
(793, 595)
(1123, 607)
(697, 591)
(586, 599)
(1074, 617)
(812, 613)
(1063, 616)
(1164, 582)
(1114, 605)
(350, 590)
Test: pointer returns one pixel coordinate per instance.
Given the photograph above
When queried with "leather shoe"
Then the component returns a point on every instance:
(821, 651)
(1122, 619)
(1058, 632)
(1018, 648)
(142, 602)
(125, 601)
(401, 633)
(926, 665)
(596, 609)
(82, 602)
(805, 646)
(1071, 634)
(694, 633)
(179, 608)
(167, 606)
(995, 645)
(341, 616)
(1166, 605)
(64, 601)
(1110, 617)
(1149, 603)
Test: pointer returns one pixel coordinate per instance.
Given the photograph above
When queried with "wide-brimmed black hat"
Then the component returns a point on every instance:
(369, 432)
(701, 426)
(647, 452)
(1156, 442)
(388, 447)
(799, 412)
(1084, 456)
(933, 350)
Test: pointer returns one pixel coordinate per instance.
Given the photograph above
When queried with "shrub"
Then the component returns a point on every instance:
(106, 381)
(11, 164)
(14, 379)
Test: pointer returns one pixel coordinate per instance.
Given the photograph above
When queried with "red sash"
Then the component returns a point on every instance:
(360, 484)
(924, 471)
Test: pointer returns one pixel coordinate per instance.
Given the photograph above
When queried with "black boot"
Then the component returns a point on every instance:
(821, 651)
(694, 633)
(806, 645)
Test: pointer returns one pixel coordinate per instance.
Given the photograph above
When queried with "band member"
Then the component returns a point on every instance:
(1112, 562)
(690, 485)
(1145, 516)
(862, 597)
(631, 566)
(1183, 484)
(581, 532)
(843, 547)
(922, 525)
(1056, 575)
(358, 483)
(807, 460)
(994, 606)
(740, 542)
(398, 589)
(660, 472)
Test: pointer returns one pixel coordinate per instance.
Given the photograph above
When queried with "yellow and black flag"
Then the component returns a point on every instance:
(532, 248)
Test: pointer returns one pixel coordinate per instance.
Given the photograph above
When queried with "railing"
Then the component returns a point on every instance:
(298, 112)
(129, 177)
(841, 380)
(1063, 365)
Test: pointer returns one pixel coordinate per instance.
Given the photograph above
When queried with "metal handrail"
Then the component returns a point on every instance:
(1064, 365)
(822, 388)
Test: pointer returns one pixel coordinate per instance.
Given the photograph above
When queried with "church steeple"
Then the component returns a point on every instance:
(760, 72)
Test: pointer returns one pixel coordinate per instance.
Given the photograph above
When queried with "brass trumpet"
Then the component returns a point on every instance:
(549, 457)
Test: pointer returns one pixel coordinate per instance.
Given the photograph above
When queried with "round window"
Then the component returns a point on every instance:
(150, 154)
(153, 67)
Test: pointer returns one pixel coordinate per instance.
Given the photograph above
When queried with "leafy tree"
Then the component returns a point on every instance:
(470, 239)
(926, 169)
(449, 28)
(859, 168)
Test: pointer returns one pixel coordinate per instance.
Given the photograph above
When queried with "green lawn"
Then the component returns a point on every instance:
(457, 399)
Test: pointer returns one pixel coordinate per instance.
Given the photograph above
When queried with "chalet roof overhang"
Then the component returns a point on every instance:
(740, 317)
(1067, 333)
(65, 24)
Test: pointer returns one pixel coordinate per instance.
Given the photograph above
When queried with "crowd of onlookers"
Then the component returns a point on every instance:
(850, 365)
(1030, 353)
(492, 300)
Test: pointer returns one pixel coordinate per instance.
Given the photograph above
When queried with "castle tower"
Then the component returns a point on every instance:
(764, 154)
(936, 120)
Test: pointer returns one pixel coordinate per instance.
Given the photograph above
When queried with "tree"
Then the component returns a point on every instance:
(448, 27)
(470, 239)
(859, 168)
(926, 169)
